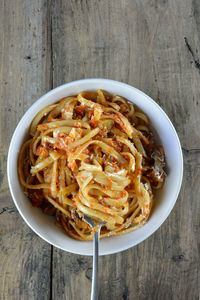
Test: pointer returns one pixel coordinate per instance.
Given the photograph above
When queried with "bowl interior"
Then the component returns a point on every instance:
(44, 225)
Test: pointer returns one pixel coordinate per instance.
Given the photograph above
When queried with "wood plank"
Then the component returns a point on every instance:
(141, 43)
(25, 74)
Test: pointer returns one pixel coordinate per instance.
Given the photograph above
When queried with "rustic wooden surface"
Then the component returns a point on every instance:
(150, 44)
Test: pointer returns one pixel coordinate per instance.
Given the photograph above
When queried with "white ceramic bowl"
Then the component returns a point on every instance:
(44, 225)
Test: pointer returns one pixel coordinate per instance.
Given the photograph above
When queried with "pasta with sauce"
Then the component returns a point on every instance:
(92, 153)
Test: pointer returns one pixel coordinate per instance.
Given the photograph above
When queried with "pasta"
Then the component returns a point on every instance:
(92, 153)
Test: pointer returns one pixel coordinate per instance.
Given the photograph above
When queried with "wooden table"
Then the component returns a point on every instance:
(150, 44)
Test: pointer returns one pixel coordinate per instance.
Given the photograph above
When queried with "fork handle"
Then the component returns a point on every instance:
(94, 292)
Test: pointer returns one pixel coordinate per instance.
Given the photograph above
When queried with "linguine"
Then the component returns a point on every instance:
(92, 153)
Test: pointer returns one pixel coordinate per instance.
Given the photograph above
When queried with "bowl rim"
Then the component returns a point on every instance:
(60, 88)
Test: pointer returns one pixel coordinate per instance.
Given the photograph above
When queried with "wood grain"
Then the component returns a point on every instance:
(25, 74)
(150, 44)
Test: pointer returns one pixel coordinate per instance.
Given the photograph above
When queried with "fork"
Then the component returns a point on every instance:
(94, 290)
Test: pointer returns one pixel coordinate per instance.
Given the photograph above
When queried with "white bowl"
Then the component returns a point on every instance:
(44, 225)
